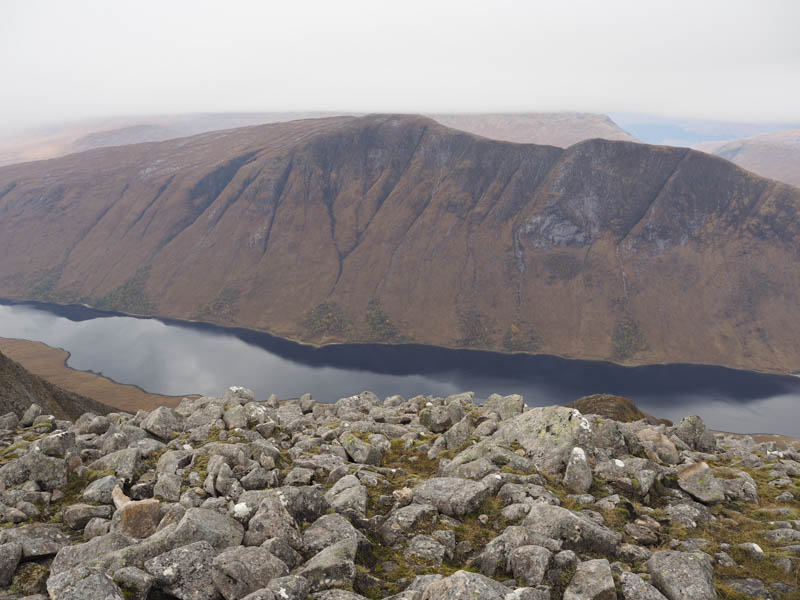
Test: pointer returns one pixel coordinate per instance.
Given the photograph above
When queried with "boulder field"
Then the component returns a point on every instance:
(411, 499)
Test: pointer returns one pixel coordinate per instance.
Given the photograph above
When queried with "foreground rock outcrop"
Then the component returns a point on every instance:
(425, 498)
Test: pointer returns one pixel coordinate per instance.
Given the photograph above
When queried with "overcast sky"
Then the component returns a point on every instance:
(721, 59)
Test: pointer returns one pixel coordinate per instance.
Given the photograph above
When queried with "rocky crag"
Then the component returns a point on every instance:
(419, 499)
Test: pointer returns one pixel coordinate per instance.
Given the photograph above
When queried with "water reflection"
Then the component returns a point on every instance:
(170, 357)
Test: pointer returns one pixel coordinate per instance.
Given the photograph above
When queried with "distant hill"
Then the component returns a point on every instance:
(774, 155)
(20, 388)
(67, 138)
(396, 228)
(552, 129)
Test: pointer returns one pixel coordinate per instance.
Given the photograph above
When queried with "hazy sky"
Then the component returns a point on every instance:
(721, 59)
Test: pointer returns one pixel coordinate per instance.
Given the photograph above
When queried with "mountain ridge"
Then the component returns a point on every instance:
(390, 228)
(560, 129)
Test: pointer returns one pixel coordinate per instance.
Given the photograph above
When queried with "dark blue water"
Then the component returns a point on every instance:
(174, 357)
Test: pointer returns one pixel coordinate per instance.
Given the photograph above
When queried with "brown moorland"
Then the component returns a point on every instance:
(394, 228)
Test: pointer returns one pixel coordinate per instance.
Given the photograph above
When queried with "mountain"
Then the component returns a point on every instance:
(774, 155)
(395, 228)
(554, 129)
(20, 388)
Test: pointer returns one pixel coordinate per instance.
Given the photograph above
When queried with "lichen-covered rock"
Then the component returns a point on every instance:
(426, 549)
(634, 587)
(698, 480)
(548, 435)
(578, 473)
(291, 587)
(360, 451)
(37, 540)
(185, 572)
(83, 583)
(683, 575)
(693, 432)
(72, 556)
(134, 583)
(77, 515)
(577, 532)
(529, 563)
(330, 529)
(100, 490)
(348, 496)
(10, 555)
(162, 423)
(506, 407)
(659, 446)
(240, 570)
(333, 567)
(272, 520)
(403, 520)
(200, 524)
(124, 463)
(450, 495)
(592, 581)
(463, 584)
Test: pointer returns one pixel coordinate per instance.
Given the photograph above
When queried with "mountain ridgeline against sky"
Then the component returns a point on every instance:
(396, 228)
(560, 129)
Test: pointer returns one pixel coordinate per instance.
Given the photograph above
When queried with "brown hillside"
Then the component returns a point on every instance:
(614, 407)
(391, 228)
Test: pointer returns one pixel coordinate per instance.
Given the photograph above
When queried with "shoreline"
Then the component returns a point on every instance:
(334, 344)
(50, 363)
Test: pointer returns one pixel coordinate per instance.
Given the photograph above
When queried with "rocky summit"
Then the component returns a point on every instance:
(419, 499)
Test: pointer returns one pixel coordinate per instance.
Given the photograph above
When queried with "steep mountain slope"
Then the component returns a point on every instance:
(554, 129)
(391, 228)
(20, 388)
(774, 155)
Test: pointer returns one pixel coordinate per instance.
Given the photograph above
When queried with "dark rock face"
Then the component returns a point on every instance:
(356, 229)
(547, 503)
(20, 389)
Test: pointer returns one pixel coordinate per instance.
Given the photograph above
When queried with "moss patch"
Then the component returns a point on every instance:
(520, 338)
(327, 318)
(380, 327)
(131, 296)
(222, 307)
(475, 329)
(627, 339)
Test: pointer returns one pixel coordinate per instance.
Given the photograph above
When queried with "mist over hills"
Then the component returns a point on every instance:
(395, 228)
(775, 155)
